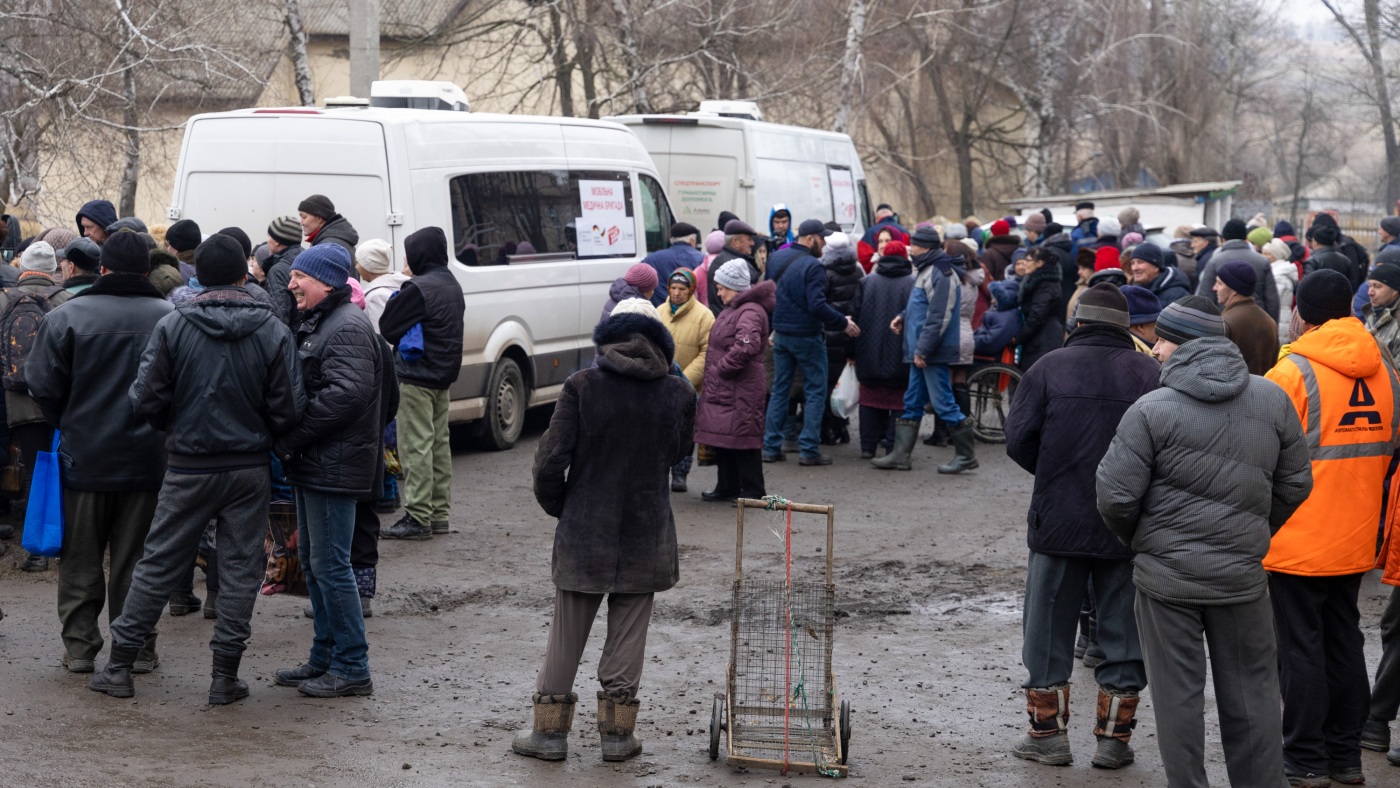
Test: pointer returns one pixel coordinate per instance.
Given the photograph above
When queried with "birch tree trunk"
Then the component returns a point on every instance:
(850, 66)
(301, 63)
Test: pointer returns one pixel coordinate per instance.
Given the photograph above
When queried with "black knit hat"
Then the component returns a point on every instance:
(1235, 230)
(244, 242)
(220, 261)
(1387, 274)
(1084, 206)
(926, 237)
(1239, 276)
(1102, 303)
(318, 205)
(1188, 318)
(1148, 253)
(126, 253)
(183, 235)
(1324, 295)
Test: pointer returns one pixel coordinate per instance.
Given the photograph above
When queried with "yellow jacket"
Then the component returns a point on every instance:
(1348, 400)
(690, 328)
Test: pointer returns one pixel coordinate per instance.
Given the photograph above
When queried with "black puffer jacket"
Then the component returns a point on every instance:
(1042, 315)
(880, 298)
(603, 467)
(1062, 247)
(85, 358)
(335, 447)
(1064, 416)
(434, 298)
(227, 342)
(338, 231)
(278, 268)
(843, 275)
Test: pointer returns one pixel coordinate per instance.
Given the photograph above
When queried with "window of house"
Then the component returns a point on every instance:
(501, 218)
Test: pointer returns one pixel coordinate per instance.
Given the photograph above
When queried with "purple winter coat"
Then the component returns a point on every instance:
(733, 399)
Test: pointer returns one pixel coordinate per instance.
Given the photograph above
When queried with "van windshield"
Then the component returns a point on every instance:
(504, 218)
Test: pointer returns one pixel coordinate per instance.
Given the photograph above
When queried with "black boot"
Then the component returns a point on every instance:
(115, 678)
(226, 687)
(678, 484)
(939, 436)
(407, 528)
(963, 459)
(963, 396)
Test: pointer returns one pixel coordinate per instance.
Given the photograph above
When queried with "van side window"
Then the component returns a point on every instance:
(501, 218)
(656, 215)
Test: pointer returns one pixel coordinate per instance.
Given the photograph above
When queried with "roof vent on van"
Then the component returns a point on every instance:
(417, 94)
(346, 101)
(746, 110)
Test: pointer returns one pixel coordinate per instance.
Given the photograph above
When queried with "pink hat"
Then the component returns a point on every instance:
(641, 276)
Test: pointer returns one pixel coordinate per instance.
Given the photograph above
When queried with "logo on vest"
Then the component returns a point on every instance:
(1361, 397)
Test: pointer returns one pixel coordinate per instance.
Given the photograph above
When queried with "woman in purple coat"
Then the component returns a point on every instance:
(735, 393)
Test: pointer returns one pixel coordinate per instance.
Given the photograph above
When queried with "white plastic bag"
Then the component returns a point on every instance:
(845, 398)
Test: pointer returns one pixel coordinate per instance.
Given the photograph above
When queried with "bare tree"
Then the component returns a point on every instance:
(301, 62)
(1368, 41)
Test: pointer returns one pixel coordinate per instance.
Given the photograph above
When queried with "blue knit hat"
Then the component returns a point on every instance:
(328, 263)
(1143, 304)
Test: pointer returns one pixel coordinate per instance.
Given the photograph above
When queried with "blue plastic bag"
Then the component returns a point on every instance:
(411, 344)
(43, 519)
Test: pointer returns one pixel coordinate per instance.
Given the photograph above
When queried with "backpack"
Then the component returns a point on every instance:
(18, 327)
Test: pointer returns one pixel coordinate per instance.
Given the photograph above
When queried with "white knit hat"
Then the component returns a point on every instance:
(839, 240)
(636, 306)
(375, 256)
(39, 257)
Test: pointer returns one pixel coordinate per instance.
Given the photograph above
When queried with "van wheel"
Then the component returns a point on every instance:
(500, 428)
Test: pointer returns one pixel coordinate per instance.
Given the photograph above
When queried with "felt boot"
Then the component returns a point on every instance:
(617, 718)
(1047, 741)
(1115, 726)
(548, 738)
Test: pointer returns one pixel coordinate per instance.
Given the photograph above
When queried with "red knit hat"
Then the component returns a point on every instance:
(1107, 257)
(1001, 227)
(895, 249)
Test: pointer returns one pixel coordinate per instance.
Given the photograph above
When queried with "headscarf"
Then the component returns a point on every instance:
(686, 277)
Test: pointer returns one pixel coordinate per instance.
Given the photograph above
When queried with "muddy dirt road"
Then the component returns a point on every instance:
(928, 573)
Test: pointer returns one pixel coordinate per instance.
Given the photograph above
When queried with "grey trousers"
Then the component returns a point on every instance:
(98, 525)
(1385, 695)
(237, 503)
(1244, 663)
(624, 651)
(1055, 591)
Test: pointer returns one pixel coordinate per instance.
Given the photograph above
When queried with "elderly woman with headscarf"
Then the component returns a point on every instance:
(689, 323)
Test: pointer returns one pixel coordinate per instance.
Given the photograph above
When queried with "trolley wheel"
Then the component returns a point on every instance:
(716, 725)
(990, 389)
(845, 731)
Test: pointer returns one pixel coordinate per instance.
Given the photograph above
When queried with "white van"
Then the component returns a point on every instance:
(725, 158)
(583, 193)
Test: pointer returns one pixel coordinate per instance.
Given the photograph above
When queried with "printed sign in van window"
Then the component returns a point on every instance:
(533, 217)
(843, 196)
(604, 227)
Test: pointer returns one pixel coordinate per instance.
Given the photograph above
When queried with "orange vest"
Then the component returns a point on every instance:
(1348, 399)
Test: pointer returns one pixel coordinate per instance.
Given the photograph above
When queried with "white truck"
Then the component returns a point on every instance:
(725, 158)
(583, 194)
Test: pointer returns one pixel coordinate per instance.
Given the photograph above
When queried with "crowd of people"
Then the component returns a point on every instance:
(1211, 425)
(297, 370)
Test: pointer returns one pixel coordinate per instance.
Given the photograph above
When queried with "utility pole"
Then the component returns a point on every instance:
(364, 45)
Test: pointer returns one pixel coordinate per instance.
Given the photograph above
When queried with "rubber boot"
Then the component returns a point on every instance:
(1115, 726)
(906, 434)
(548, 738)
(963, 396)
(226, 687)
(963, 458)
(115, 678)
(939, 436)
(1047, 741)
(617, 718)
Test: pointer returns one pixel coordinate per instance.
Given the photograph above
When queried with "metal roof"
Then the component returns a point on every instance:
(1184, 190)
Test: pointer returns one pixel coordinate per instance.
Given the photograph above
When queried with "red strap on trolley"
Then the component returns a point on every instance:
(787, 650)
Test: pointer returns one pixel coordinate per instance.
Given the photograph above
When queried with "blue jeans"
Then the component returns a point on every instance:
(325, 528)
(790, 352)
(935, 379)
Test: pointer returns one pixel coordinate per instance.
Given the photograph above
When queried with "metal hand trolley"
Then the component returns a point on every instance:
(780, 707)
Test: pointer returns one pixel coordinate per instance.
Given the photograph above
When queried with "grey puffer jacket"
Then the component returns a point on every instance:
(1200, 475)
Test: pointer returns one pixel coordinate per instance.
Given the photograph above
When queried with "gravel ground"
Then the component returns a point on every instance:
(929, 572)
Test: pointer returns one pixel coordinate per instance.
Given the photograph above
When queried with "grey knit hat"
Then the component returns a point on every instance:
(734, 275)
(1188, 318)
(285, 230)
(1102, 303)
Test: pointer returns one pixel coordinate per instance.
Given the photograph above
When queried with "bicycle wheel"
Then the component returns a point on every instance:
(990, 389)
